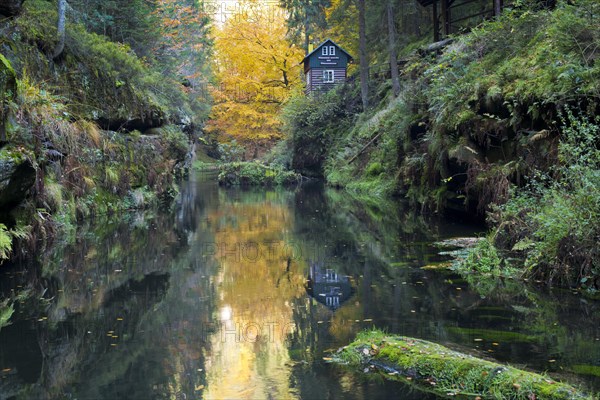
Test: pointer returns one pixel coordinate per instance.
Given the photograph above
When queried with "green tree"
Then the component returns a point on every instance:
(306, 19)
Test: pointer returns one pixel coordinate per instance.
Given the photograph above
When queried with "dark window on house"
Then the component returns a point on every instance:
(328, 76)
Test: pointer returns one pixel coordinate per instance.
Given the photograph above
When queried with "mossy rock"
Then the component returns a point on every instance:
(17, 175)
(10, 7)
(434, 368)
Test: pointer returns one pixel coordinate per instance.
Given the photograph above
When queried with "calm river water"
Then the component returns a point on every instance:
(240, 294)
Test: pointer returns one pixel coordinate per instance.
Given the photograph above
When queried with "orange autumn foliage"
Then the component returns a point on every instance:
(256, 68)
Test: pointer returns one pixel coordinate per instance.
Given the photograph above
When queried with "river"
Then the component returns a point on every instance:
(242, 293)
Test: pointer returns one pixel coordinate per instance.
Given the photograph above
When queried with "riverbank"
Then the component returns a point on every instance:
(95, 130)
(498, 124)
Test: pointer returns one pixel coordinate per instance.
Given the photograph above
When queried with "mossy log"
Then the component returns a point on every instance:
(434, 368)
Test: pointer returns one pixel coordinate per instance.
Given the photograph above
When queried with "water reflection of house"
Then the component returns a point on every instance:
(328, 287)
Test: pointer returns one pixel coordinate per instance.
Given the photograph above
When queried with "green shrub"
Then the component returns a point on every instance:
(374, 169)
(483, 258)
(313, 123)
(255, 174)
(5, 242)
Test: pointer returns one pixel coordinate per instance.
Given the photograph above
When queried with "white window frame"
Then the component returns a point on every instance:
(328, 76)
(325, 51)
(332, 50)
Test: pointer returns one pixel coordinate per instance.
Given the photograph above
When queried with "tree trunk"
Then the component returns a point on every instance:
(306, 27)
(364, 61)
(417, 24)
(497, 8)
(392, 46)
(60, 46)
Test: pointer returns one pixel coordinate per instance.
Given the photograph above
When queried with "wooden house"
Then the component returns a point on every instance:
(325, 67)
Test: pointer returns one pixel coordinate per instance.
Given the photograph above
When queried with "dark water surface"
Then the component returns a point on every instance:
(241, 293)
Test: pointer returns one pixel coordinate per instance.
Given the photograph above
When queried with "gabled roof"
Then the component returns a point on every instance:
(323, 44)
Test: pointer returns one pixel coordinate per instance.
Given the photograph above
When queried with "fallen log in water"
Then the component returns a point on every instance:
(447, 373)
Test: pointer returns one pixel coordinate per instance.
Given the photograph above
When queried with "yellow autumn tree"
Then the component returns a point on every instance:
(256, 68)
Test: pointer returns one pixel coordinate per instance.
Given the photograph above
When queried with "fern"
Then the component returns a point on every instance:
(5, 242)
(6, 311)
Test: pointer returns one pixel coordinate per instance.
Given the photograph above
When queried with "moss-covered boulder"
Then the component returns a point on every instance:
(17, 176)
(447, 373)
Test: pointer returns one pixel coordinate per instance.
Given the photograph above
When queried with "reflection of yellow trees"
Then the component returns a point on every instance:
(249, 353)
